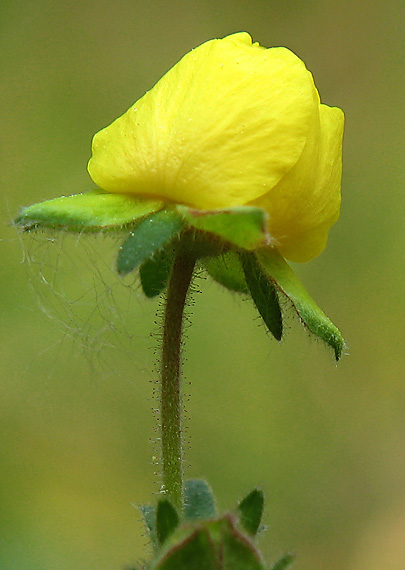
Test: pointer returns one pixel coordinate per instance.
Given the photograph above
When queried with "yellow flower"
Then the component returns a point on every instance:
(233, 123)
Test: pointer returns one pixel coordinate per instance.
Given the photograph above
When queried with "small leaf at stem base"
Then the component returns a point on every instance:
(251, 511)
(149, 516)
(239, 554)
(167, 520)
(210, 545)
(199, 502)
(194, 553)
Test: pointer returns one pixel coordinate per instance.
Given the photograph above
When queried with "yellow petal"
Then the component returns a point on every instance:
(305, 203)
(220, 129)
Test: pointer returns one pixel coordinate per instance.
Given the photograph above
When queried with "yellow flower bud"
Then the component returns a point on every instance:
(233, 123)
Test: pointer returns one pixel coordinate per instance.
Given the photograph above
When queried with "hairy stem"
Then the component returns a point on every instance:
(170, 402)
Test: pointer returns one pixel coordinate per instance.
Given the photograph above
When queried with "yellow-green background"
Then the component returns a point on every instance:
(325, 442)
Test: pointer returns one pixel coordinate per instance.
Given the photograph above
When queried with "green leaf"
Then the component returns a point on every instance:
(243, 226)
(238, 553)
(167, 520)
(251, 511)
(284, 562)
(149, 516)
(155, 272)
(199, 502)
(90, 212)
(263, 294)
(227, 270)
(152, 234)
(214, 544)
(281, 274)
(194, 553)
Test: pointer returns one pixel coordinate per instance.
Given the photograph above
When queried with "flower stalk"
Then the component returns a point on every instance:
(170, 395)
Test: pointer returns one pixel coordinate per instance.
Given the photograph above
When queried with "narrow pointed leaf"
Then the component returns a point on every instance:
(281, 274)
(152, 234)
(155, 272)
(89, 212)
(167, 520)
(243, 226)
(149, 516)
(199, 502)
(263, 294)
(195, 553)
(251, 511)
(227, 270)
(285, 562)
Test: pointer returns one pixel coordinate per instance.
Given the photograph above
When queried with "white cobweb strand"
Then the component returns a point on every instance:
(75, 284)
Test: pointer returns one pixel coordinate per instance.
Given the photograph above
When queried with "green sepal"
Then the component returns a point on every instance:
(199, 502)
(148, 513)
(152, 234)
(284, 562)
(89, 212)
(167, 520)
(212, 545)
(243, 226)
(154, 272)
(200, 244)
(281, 274)
(227, 270)
(264, 295)
(250, 511)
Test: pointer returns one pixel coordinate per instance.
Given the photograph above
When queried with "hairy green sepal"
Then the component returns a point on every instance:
(89, 212)
(280, 273)
(152, 235)
(227, 270)
(264, 295)
(155, 271)
(242, 226)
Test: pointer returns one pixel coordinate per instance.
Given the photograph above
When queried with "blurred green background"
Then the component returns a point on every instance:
(77, 362)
